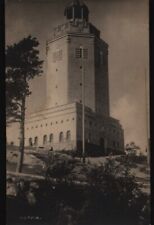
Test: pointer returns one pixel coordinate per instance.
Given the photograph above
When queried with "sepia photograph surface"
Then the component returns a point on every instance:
(77, 112)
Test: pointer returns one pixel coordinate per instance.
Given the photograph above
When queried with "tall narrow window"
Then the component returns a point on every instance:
(78, 52)
(68, 135)
(51, 138)
(36, 141)
(44, 139)
(30, 142)
(61, 137)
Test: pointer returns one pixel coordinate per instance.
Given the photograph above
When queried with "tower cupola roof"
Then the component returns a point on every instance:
(76, 10)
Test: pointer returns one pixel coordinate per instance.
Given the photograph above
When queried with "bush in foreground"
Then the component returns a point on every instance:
(106, 194)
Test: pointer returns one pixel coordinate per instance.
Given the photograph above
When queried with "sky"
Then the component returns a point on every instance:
(124, 25)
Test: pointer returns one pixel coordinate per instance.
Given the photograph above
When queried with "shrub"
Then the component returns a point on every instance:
(105, 194)
(136, 159)
(59, 167)
(113, 195)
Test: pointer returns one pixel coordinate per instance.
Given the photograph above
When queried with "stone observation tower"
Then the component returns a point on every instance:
(76, 51)
(64, 76)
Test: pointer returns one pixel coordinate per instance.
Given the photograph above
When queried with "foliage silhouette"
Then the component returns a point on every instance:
(110, 195)
(22, 65)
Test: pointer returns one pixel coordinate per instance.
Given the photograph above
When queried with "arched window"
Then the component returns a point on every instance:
(68, 135)
(44, 139)
(30, 142)
(61, 137)
(36, 141)
(51, 138)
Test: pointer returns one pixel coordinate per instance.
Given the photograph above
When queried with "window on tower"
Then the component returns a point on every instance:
(69, 13)
(77, 12)
(78, 52)
(81, 53)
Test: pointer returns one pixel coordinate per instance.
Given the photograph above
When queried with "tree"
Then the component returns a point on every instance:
(22, 65)
(132, 148)
(113, 195)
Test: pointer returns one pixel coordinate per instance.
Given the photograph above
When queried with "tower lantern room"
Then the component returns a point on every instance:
(76, 10)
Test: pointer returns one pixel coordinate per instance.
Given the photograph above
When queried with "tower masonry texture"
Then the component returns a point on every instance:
(76, 50)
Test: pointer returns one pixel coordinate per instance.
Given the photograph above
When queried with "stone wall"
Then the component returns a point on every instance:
(102, 131)
(53, 121)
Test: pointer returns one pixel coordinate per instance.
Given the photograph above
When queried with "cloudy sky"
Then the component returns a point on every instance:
(124, 26)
